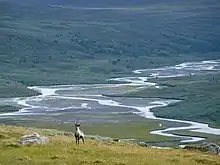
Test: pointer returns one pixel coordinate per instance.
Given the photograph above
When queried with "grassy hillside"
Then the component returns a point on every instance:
(11, 89)
(63, 150)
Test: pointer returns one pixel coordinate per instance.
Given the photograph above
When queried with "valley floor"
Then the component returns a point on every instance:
(63, 150)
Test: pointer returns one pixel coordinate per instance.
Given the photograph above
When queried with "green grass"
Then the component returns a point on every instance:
(63, 150)
(139, 130)
(11, 89)
(8, 108)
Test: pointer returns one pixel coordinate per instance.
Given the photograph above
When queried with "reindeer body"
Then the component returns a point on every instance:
(78, 134)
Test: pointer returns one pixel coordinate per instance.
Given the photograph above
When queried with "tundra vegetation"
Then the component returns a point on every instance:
(63, 150)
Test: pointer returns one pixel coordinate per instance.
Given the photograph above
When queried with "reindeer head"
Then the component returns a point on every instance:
(77, 124)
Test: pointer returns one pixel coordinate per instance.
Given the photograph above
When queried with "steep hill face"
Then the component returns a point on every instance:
(56, 42)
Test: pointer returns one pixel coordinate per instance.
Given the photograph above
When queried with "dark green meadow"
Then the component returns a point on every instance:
(199, 94)
(52, 42)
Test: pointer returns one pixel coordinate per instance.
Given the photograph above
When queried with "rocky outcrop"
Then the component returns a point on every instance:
(205, 147)
(142, 144)
(116, 140)
(32, 139)
(211, 147)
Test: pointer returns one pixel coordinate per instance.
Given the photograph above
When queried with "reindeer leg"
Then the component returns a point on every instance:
(83, 140)
(77, 140)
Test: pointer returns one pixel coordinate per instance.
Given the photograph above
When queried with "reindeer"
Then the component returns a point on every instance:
(78, 134)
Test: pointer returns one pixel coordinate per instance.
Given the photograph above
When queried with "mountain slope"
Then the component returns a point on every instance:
(56, 43)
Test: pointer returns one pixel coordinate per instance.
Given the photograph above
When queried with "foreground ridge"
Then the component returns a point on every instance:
(62, 150)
